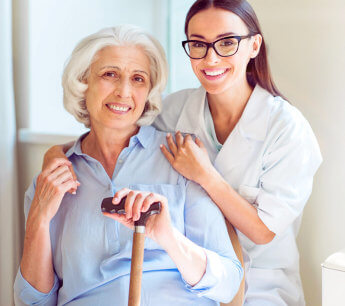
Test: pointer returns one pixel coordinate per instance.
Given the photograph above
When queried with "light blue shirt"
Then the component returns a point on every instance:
(92, 253)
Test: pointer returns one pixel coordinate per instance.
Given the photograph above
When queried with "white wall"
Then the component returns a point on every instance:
(306, 49)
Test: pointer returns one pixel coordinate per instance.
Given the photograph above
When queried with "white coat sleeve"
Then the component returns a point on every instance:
(24, 293)
(289, 165)
(205, 225)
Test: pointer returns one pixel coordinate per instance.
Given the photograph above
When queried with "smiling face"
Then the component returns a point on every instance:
(118, 87)
(218, 74)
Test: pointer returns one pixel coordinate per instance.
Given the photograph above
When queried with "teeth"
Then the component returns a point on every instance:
(214, 72)
(118, 108)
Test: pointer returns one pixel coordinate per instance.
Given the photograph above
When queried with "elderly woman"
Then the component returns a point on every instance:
(75, 255)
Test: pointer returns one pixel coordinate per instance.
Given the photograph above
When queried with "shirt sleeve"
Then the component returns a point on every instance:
(24, 293)
(289, 165)
(205, 225)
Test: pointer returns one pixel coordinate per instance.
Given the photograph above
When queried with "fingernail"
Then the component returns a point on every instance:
(74, 192)
(77, 182)
(161, 146)
(168, 135)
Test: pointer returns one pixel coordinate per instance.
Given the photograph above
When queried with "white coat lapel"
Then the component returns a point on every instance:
(251, 129)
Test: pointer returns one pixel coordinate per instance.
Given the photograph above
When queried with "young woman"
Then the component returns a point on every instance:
(254, 154)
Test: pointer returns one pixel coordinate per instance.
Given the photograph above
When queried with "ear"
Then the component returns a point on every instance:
(256, 45)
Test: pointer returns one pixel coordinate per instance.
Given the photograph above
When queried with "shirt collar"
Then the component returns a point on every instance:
(144, 137)
(252, 124)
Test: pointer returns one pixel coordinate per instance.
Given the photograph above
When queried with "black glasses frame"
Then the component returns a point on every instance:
(211, 45)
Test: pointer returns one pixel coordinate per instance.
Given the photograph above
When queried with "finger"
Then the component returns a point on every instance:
(56, 162)
(129, 204)
(171, 144)
(137, 205)
(188, 138)
(64, 187)
(74, 190)
(57, 172)
(73, 173)
(147, 202)
(119, 195)
(167, 154)
(63, 177)
(199, 143)
(120, 218)
(179, 139)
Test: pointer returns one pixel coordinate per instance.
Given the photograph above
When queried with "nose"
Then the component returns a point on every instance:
(124, 88)
(212, 57)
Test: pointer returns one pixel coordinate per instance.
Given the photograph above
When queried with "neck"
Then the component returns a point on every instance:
(229, 105)
(105, 145)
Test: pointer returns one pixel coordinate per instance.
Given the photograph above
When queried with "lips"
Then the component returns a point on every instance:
(214, 74)
(118, 108)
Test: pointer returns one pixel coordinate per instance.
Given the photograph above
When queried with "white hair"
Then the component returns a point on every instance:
(78, 67)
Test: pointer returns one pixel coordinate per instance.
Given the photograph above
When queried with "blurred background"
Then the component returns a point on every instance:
(306, 51)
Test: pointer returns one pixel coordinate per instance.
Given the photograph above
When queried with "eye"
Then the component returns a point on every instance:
(197, 44)
(110, 74)
(228, 42)
(139, 79)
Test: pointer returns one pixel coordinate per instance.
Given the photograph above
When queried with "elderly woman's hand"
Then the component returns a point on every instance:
(188, 157)
(158, 227)
(52, 184)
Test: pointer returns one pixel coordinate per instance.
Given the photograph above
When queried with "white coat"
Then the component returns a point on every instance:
(270, 159)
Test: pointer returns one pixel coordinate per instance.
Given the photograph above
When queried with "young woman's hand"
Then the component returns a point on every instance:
(52, 184)
(188, 157)
(57, 153)
(158, 226)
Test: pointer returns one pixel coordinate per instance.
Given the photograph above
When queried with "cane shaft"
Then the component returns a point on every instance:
(136, 269)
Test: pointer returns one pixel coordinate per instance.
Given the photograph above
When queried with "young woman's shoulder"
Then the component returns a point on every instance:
(289, 130)
(173, 104)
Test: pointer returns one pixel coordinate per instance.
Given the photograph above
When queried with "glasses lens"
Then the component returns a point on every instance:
(226, 46)
(196, 49)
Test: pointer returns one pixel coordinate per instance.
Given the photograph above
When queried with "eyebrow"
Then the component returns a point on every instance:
(118, 68)
(218, 36)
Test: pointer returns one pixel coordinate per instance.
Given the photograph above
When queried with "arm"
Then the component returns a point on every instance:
(190, 259)
(36, 274)
(191, 160)
(224, 271)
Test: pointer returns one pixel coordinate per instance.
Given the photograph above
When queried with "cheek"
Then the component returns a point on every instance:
(141, 96)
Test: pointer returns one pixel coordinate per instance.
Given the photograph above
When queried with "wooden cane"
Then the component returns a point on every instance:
(138, 245)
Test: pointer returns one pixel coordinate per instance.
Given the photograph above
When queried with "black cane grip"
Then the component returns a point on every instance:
(108, 206)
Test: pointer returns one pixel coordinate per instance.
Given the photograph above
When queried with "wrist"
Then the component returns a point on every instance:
(37, 217)
(210, 179)
(168, 240)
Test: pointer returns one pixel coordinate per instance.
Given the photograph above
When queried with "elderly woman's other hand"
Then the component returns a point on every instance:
(158, 227)
(52, 184)
(56, 153)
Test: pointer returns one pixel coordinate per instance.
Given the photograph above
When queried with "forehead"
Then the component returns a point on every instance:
(125, 57)
(213, 22)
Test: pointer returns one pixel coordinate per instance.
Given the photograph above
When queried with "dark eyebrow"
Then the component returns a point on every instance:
(218, 36)
(118, 68)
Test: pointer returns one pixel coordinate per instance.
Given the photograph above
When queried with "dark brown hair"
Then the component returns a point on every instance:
(258, 70)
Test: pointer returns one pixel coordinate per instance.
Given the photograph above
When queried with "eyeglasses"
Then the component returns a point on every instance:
(226, 46)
